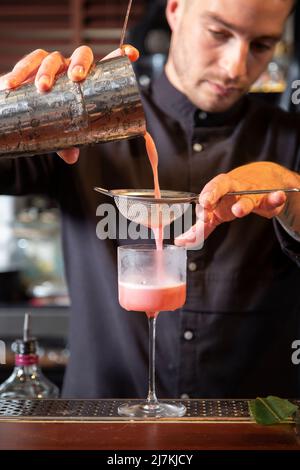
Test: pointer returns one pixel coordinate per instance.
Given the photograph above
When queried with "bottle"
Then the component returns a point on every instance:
(27, 379)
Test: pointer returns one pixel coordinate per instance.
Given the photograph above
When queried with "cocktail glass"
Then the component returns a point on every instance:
(151, 281)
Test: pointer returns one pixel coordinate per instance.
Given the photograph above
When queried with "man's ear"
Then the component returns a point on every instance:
(174, 12)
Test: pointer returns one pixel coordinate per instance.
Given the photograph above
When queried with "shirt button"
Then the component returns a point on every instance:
(188, 335)
(184, 396)
(197, 147)
(192, 267)
(202, 115)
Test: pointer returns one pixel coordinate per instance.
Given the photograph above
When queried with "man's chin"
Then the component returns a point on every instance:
(217, 104)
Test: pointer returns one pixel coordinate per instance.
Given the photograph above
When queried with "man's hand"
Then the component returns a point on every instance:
(215, 207)
(42, 67)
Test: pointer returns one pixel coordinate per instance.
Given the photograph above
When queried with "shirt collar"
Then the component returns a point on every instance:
(176, 105)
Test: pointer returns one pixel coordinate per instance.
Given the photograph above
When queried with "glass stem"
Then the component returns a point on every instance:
(151, 398)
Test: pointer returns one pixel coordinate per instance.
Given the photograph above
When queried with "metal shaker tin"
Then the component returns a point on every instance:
(105, 106)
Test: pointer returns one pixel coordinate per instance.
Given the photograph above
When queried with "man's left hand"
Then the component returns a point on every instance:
(215, 207)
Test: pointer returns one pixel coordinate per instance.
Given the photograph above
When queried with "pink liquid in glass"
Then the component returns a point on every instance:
(155, 298)
(151, 299)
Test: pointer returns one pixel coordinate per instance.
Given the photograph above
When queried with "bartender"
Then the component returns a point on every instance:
(234, 335)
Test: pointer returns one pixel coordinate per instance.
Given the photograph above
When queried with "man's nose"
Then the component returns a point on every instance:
(235, 61)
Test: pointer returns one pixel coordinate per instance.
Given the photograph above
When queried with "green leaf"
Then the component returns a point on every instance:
(271, 410)
(284, 408)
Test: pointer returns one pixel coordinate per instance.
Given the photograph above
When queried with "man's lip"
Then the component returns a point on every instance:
(221, 89)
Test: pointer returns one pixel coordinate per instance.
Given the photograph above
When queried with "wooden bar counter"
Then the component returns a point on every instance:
(60, 430)
(146, 436)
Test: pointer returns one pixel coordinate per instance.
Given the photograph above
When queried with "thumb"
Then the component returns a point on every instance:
(70, 155)
(131, 52)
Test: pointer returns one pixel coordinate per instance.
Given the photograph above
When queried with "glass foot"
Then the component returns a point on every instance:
(153, 410)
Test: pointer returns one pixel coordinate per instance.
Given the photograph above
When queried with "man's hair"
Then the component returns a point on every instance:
(295, 4)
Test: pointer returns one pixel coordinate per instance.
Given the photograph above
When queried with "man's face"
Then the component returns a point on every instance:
(220, 47)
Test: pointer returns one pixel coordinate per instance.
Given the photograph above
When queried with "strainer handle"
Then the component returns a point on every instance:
(263, 191)
(254, 191)
(103, 191)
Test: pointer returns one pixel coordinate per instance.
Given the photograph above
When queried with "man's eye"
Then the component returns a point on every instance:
(218, 34)
(261, 47)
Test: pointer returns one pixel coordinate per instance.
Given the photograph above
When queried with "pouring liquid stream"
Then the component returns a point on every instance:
(153, 158)
(160, 292)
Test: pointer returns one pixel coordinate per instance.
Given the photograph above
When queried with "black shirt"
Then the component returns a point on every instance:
(233, 337)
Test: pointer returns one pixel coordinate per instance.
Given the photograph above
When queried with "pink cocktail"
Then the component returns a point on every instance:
(151, 299)
(151, 281)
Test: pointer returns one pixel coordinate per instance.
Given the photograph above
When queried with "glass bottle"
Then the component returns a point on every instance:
(27, 380)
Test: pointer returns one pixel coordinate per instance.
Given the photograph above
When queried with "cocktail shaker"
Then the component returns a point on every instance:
(105, 106)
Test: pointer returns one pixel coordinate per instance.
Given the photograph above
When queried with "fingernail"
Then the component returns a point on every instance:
(44, 80)
(78, 71)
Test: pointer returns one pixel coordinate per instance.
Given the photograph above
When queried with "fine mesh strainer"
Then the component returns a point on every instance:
(141, 207)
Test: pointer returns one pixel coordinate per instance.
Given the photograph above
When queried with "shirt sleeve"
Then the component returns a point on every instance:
(29, 175)
(289, 245)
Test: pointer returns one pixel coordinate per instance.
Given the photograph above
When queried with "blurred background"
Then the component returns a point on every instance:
(31, 267)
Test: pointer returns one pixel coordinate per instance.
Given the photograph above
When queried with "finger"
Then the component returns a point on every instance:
(215, 189)
(70, 155)
(30, 79)
(203, 214)
(131, 52)
(23, 69)
(193, 238)
(273, 200)
(244, 206)
(270, 213)
(80, 63)
(272, 204)
(50, 66)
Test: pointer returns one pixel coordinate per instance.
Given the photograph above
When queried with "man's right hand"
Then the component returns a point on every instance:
(42, 67)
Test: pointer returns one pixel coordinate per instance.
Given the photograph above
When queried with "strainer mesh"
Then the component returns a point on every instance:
(150, 214)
